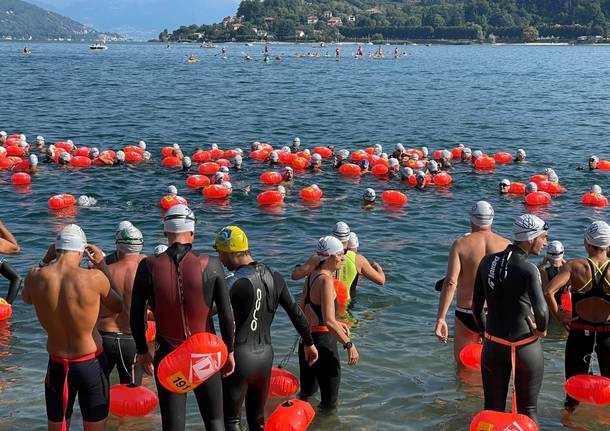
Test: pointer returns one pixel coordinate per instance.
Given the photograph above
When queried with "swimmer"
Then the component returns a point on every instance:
(40, 143)
(119, 158)
(64, 159)
(256, 146)
(274, 158)
(420, 178)
(432, 167)
(296, 144)
(425, 152)
(94, 153)
(217, 178)
(593, 162)
(365, 166)
(256, 292)
(352, 242)
(588, 325)
(186, 164)
(119, 345)
(3, 136)
(86, 201)
(464, 258)
(551, 175)
(520, 156)
(67, 300)
(476, 155)
(399, 151)
(405, 173)
(445, 160)
(340, 158)
(377, 150)
(142, 145)
(287, 174)
(201, 280)
(33, 159)
(368, 198)
(555, 259)
(318, 303)
(146, 157)
(113, 257)
(236, 162)
(394, 171)
(9, 245)
(172, 190)
(504, 186)
(509, 286)
(466, 155)
(227, 185)
(316, 163)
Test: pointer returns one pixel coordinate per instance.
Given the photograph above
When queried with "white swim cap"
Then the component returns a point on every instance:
(123, 225)
(129, 240)
(406, 172)
(432, 166)
(343, 154)
(255, 146)
(377, 148)
(477, 154)
(328, 246)
(521, 152)
(274, 156)
(142, 145)
(172, 190)
(39, 139)
(296, 142)
(65, 157)
(369, 195)
(446, 154)
(178, 219)
(282, 190)
(218, 177)
(33, 160)
(414, 156)
(420, 174)
(69, 141)
(554, 251)
(227, 185)
(316, 157)
(94, 152)
(22, 137)
(482, 214)
(84, 201)
(146, 155)
(505, 182)
(596, 189)
(399, 147)
(467, 151)
(353, 242)
(237, 160)
(593, 159)
(239, 151)
(159, 249)
(384, 156)
(23, 144)
(394, 162)
(71, 238)
(285, 149)
(214, 146)
(531, 188)
(186, 162)
(598, 234)
(553, 177)
(3, 133)
(461, 146)
(176, 146)
(287, 169)
(120, 155)
(223, 169)
(341, 231)
(2, 150)
(424, 151)
(528, 227)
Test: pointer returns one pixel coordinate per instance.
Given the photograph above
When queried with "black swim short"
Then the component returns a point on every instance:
(467, 319)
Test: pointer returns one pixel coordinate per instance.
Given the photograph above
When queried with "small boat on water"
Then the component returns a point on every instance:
(249, 44)
(208, 45)
(98, 46)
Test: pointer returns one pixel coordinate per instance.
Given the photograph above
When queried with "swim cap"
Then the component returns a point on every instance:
(285, 149)
(65, 157)
(256, 146)
(287, 169)
(424, 151)
(394, 162)
(531, 188)
(178, 219)
(227, 185)
(399, 147)
(186, 162)
(328, 246)
(176, 146)
(364, 164)
(237, 160)
(239, 151)
(3, 133)
(341, 231)
(123, 225)
(521, 152)
(231, 239)
(274, 156)
(146, 155)
(172, 190)
(296, 142)
(482, 214)
(86, 201)
(142, 145)
(369, 195)
(353, 242)
(2, 150)
(214, 146)
(94, 152)
(344, 154)
(554, 251)
(71, 238)
(120, 156)
(596, 189)
(477, 154)
(159, 249)
(420, 174)
(33, 160)
(69, 141)
(593, 159)
(384, 156)
(39, 139)
(446, 154)
(223, 169)
(598, 234)
(505, 182)
(553, 177)
(316, 157)
(432, 166)
(528, 227)
(461, 146)
(129, 240)
(22, 137)
(218, 178)
(282, 190)
(377, 149)
(467, 151)
(23, 144)
(414, 156)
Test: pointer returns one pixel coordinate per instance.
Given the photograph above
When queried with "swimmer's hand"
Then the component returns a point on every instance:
(534, 329)
(229, 367)
(352, 355)
(311, 354)
(145, 361)
(345, 328)
(377, 267)
(95, 255)
(442, 330)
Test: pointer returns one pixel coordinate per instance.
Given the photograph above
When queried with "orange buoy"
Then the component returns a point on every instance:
(6, 163)
(82, 151)
(217, 153)
(193, 362)
(271, 178)
(438, 154)
(171, 162)
(376, 160)
(285, 158)
(215, 191)
(266, 147)
(133, 156)
(62, 201)
(324, 152)
(223, 162)
(283, 383)
(201, 156)
(369, 150)
(229, 154)
(67, 146)
(209, 168)
(133, 149)
(470, 355)
(485, 163)
(311, 193)
(80, 161)
(394, 197)
(415, 164)
(550, 187)
(442, 179)
(135, 401)
(538, 178)
(350, 169)
(304, 155)
(169, 201)
(167, 151)
(151, 330)
(300, 163)
(21, 179)
(23, 165)
(456, 152)
(15, 151)
(358, 156)
(270, 197)
(260, 154)
(594, 200)
(517, 188)
(197, 181)
(603, 165)
(5, 309)
(341, 290)
(503, 157)
(538, 198)
(293, 415)
(380, 170)
(589, 389)
(566, 302)
(489, 420)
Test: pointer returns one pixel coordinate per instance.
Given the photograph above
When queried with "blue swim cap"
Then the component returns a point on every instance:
(364, 164)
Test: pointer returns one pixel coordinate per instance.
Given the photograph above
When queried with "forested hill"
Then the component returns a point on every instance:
(22, 20)
(404, 19)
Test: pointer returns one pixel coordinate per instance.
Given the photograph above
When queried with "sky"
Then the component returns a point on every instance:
(141, 19)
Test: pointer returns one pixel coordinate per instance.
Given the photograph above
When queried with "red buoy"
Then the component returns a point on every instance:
(260, 154)
(470, 355)
(589, 389)
(171, 162)
(594, 200)
(169, 201)
(201, 156)
(311, 193)
(538, 198)
(5, 309)
(271, 178)
(350, 169)
(283, 383)
(21, 179)
(603, 165)
(300, 163)
(293, 415)
(442, 179)
(380, 170)
(341, 290)
(209, 168)
(517, 188)
(215, 191)
(167, 151)
(502, 157)
(489, 420)
(270, 197)
(359, 155)
(197, 181)
(485, 163)
(81, 161)
(324, 152)
(62, 201)
(136, 401)
(394, 197)
(133, 156)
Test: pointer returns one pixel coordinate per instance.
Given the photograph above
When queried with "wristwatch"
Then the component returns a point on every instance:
(348, 345)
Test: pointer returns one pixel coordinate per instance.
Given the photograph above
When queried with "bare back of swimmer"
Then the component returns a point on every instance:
(464, 259)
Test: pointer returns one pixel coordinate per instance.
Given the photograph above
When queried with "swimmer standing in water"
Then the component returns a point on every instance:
(464, 259)
(9, 245)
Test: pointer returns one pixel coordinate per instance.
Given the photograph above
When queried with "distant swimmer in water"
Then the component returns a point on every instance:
(223, 52)
(365, 166)
(337, 53)
(9, 245)
(40, 143)
(466, 155)
(593, 162)
(287, 174)
(186, 165)
(394, 171)
(85, 201)
(248, 58)
(515, 320)
(274, 158)
(464, 258)
(340, 158)
(368, 198)
(420, 179)
(237, 162)
(192, 58)
(555, 259)
(588, 325)
(67, 300)
(316, 163)
(504, 186)
(520, 156)
(296, 145)
(26, 51)
(33, 163)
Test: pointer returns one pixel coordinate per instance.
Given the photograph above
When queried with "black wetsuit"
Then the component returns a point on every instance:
(8, 272)
(325, 373)
(256, 292)
(585, 336)
(181, 289)
(512, 288)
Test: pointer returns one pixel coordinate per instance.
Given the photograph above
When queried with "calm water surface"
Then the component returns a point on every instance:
(552, 101)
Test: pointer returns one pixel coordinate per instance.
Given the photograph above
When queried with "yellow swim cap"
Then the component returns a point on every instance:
(231, 239)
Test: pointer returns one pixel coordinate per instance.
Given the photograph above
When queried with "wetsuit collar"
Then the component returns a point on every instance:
(177, 251)
(252, 263)
(515, 248)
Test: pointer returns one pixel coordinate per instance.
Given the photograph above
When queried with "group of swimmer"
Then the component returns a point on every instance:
(504, 301)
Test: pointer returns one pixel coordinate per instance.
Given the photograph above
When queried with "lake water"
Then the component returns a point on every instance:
(552, 101)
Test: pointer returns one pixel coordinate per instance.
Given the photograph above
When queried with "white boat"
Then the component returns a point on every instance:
(98, 46)
(249, 44)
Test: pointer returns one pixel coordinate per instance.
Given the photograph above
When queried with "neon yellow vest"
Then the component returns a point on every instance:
(348, 271)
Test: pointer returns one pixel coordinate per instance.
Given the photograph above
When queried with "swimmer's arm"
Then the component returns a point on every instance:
(478, 300)
(450, 284)
(8, 272)
(138, 310)
(539, 306)
(109, 295)
(302, 271)
(214, 274)
(560, 280)
(543, 276)
(8, 243)
(373, 273)
(298, 319)
(328, 311)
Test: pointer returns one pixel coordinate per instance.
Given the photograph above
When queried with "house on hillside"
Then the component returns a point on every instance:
(229, 20)
(312, 19)
(334, 22)
(236, 26)
(373, 10)
(327, 14)
(351, 18)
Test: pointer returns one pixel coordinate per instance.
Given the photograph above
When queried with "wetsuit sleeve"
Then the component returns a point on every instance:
(539, 305)
(8, 272)
(298, 319)
(478, 299)
(215, 283)
(140, 296)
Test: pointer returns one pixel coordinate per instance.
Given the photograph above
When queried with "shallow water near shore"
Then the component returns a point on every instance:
(552, 101)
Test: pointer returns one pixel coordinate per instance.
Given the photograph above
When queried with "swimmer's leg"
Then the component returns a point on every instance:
(528, 378)
(463, 337)
(53, 393)
(93, 392)
(307, 374)
(329, 371)
(8, 272)
(126, 360)
(233, 393)
(258, 387)
(579, 347)
(172, 406)
(209, 400)
(496, 372)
